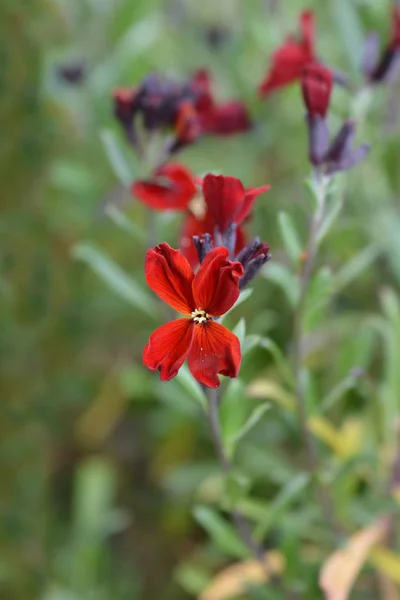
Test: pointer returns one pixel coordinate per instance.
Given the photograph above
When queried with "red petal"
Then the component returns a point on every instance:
(395, 41)
(170, 276)
(316, 86)
(171, 188)
(249, 199)
(214, 350)
(287, 65)
(168, 347)
(289, 60)
(307, 28)
(216, 284)
(224, 197)
(232, 117)
(201, 85)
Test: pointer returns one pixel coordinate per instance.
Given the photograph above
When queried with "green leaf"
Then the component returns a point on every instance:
(282, 277)
(115, 277)
(289, 235)
(253, 419)
(117, 158)
(93, 495)
(122, 221)
(319, 295)
(191, 386)
(280, 360)
(233, 412)
(240, 330)
(354, 267)
(349, 27)
(286, 496)
(221, 532)
(242, 297)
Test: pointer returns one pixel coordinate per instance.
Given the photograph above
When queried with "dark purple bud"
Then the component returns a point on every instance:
(342, 142)
(386, 69)
(318, 139)
(248, 252)
(370, 54)
(229, 238)
(349, 160)
(203, 244)
(252, 268)
(73, 74)
(252, 257)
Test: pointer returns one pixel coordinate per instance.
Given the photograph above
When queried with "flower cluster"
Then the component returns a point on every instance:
(202, 280)
(328, 156)
(187, 109)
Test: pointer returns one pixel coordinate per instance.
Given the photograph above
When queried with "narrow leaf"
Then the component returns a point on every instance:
(115, 277)
(220, 531)
(289, 235)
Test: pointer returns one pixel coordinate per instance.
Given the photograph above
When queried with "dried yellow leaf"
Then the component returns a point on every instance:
(343, 566)
(236, 578)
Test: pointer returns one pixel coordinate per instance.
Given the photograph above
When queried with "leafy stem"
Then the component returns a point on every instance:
(241, 524)
(320, 188)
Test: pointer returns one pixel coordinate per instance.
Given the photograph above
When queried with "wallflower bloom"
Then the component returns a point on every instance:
(226, 201)
(316, 86)
(171, 188)
(328, 156)
(214, 202)
(218, 119)
(289, 60)
(386, 67)
(210, 348)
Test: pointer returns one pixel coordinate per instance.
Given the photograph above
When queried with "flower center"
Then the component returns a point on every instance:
(199, 315)
(197, 206)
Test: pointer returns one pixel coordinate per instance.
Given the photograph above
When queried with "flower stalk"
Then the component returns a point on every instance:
(320, 190)
(241, 525)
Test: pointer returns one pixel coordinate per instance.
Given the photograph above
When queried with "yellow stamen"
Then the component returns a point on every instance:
(199, 315)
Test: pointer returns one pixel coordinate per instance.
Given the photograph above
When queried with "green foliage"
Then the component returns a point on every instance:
(102, 463)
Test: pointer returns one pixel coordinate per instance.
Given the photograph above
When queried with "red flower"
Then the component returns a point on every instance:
(225, 201)
(210, 348)
(171, 188)
(289, 60)
(316, 85)
(395, 41)
(220, 119)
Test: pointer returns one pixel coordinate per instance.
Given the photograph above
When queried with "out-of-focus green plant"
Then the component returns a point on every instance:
(110, 482)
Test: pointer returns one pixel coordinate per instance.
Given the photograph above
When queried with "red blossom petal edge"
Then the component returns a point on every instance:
(316, 86)
(171, 188)
(289, 60)
(224, 197)
(216, 284)
(168, 347)
(214, 350)
(248, 202)
(170, 276)
(225, 119)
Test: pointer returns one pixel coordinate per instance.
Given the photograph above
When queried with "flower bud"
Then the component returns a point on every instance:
(316, 86)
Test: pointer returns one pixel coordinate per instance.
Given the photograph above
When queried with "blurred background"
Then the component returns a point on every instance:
(109, 483)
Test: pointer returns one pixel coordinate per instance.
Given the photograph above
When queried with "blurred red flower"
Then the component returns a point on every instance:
(171, 188)
(224, 201)
(219, 119)
(289, 60)
(210, 348)
(316, 85)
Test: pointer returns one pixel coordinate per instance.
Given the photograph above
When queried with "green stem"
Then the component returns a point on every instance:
(242, 526)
